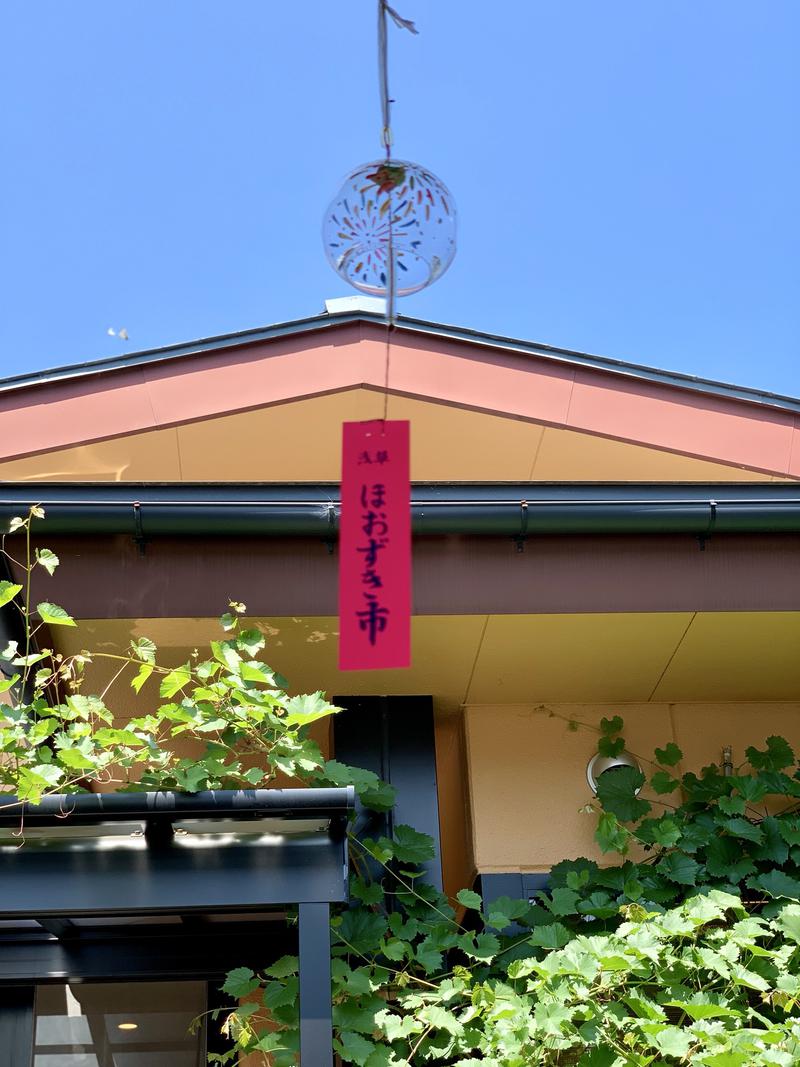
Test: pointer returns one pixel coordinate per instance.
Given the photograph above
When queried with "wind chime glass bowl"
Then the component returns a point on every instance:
(404, 198)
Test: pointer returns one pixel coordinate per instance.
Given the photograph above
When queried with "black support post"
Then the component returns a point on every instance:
(316, 1025)
(16, 1026)
(394, 737)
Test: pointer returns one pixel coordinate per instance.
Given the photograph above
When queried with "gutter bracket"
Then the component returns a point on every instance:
(330, 540)
(138, 537)
(712, 521)
(522, 536)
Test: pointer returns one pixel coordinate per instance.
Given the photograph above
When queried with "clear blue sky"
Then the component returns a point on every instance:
(626, 172)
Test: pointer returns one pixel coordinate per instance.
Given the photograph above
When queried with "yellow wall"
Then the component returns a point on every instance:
(527, 769)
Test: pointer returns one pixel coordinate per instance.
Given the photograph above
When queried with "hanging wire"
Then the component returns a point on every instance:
(383, 67)
(385, 10)
(383, 80)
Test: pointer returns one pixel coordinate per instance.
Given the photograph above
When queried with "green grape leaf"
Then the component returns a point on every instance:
(75, 759)
(410, 846)
(47, 559)
(175, 680)
(610, 835)
(777, 884)
(283, 967)
(469, 899)
(144, 649)
(789, 829)
(482, 947)
(359, 929)
(303, 710)
(550, 936)
(252, 641)
(743, 829)
(733, 805)
(353, 1047)
(616, 791)
(680, 868)
(53, 615)
(788, 920)
(669, 756)
(240, 982)
(366, 892)
(611, 747)
(777, 755)
(8, 590)
(773, 847)
(609, 727)
(662, 783)
(504, 910)
(562, 901)
(429, 957)
(142, 675)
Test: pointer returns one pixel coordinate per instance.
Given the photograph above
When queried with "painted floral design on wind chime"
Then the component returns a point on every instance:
(397, 204)
(390, 231)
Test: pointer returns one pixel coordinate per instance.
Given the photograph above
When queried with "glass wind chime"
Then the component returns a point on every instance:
(390, 231)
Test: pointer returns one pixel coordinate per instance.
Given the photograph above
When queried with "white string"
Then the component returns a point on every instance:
(386, 140)
(383, 67)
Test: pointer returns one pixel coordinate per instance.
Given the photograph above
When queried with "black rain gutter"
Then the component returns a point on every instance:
(334, 804)
(500, 510)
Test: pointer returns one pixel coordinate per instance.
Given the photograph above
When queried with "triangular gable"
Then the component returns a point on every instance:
(553, 398)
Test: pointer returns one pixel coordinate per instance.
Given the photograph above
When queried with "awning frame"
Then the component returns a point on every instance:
(108, 871)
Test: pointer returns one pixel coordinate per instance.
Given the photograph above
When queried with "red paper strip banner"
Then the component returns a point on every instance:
(375, 547)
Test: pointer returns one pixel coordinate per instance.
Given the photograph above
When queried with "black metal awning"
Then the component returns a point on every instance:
(143, 865)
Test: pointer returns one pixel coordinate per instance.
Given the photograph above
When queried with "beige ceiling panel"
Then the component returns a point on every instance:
(522, 658)
(150, 456)
(574, 658)
(566, 455)
(302, 441)
(303, 650)
(451, 444)
(736, 656)
(371, 405)
(297, 442)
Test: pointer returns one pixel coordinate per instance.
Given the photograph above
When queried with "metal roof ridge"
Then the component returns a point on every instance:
(310, 324)
(680, 379)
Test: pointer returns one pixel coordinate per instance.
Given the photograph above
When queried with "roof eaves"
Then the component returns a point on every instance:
(177, 351)
(466, 335)
(604, 363)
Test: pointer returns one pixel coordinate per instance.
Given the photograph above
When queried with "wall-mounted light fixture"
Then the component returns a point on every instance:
(604, 764)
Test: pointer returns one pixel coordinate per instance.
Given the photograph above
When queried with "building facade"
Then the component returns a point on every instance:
(591, 538)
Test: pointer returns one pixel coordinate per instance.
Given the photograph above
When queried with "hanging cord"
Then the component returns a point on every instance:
(383, 67)
(386, 140)
(389, 328)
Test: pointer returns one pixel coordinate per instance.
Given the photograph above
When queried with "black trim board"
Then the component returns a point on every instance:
(143, 954)
(16, 1026)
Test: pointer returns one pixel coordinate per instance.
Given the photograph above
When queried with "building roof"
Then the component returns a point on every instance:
(329, 319)
(483, 408)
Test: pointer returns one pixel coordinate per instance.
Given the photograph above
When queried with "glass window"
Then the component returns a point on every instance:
(120, 1024)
